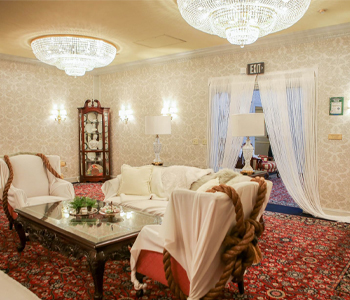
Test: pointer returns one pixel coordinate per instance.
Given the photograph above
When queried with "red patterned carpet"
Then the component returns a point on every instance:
(304, 258)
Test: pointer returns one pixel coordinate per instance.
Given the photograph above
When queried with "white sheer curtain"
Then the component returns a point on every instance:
(227, 96)
(290, 108)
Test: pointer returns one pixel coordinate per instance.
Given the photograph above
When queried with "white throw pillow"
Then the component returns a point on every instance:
(208, 185)
(135, 180)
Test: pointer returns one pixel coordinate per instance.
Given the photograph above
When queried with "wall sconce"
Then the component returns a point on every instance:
(125, 114)
(169, 111)
(60, 114)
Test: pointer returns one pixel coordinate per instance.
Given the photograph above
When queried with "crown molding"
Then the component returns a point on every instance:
(21, 59)
(272, 41)
(267, 42)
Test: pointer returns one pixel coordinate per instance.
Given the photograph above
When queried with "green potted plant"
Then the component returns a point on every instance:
(77, 203)
(89, 203)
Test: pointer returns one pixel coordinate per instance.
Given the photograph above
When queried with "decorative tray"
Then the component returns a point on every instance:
(85, 213)
(107, 211)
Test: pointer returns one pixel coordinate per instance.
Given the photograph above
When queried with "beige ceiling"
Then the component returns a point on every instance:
(140, 29)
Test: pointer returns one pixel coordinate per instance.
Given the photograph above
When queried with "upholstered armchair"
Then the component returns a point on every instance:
(29, 179)
(206, 240)
(266, 163)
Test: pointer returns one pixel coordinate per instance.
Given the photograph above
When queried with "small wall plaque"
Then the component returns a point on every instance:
(335, 136)
(336, 106)
(255, 68)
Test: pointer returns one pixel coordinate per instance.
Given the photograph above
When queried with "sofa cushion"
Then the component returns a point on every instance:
(139, 203)
(135, 180)
(208, 185)
(153, 207)
(156, 181)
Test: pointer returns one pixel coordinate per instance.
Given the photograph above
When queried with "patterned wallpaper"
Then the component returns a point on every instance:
(185, 82)
(28, 92)
(27, 95)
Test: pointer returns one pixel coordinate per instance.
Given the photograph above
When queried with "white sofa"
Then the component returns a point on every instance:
(148, 188)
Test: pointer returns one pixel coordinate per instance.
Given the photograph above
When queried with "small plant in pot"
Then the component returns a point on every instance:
(89, 203)
(77, 204)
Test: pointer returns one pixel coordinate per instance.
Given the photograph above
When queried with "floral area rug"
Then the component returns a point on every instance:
(93, 190)
(279, 194)
(304, 258)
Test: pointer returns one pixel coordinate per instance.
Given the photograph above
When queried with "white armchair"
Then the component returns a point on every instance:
(207, 239)
(29, 179)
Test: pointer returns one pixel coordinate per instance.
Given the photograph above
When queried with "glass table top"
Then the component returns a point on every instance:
(95, 227)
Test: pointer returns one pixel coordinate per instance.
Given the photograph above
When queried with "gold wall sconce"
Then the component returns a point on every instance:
(169, 111)
(59, 114)
(126, 114)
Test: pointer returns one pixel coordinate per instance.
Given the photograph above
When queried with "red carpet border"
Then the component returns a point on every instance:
(304, 258)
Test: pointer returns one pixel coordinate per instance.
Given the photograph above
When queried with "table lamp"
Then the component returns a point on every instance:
(248, 125)
(157, 125)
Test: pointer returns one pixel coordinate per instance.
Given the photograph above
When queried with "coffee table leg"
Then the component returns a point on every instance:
(21, 235)
(97, 262)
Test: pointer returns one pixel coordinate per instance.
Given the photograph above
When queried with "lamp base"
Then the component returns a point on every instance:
(157, 163)
(247, 155)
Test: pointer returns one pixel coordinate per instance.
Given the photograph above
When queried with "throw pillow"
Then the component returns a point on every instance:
(135, 180)
(208, 185)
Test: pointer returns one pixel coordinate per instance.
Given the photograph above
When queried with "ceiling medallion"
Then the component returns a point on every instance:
(73, 54)
(242, 22)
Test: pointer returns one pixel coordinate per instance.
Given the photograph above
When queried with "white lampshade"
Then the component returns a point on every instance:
(158, 125)
(248, 125)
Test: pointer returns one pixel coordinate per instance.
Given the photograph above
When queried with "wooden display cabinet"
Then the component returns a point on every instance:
(94, 142)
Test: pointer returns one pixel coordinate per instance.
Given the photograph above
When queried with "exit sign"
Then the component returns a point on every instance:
(256, 68)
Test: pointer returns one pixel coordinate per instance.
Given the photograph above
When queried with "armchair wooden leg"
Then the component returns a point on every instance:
(241, 287)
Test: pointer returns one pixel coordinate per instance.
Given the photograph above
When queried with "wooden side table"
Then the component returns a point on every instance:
(256, 173)
(260, 174)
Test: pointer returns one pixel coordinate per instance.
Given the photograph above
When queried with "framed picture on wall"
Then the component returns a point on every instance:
(336, 106)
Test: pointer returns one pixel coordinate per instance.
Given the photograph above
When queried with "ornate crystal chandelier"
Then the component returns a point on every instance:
(242, 22)
(73, 54)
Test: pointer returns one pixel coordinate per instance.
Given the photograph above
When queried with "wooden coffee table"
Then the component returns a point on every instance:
(93, 236)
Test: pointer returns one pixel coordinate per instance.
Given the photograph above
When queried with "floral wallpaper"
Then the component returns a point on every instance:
(185, 82)
(27, 95)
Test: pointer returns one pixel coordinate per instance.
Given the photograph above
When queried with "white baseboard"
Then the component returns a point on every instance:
(336, 212)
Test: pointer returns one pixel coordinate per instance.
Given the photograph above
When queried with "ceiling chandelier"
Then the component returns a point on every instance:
(242, 22)
(73, 54)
